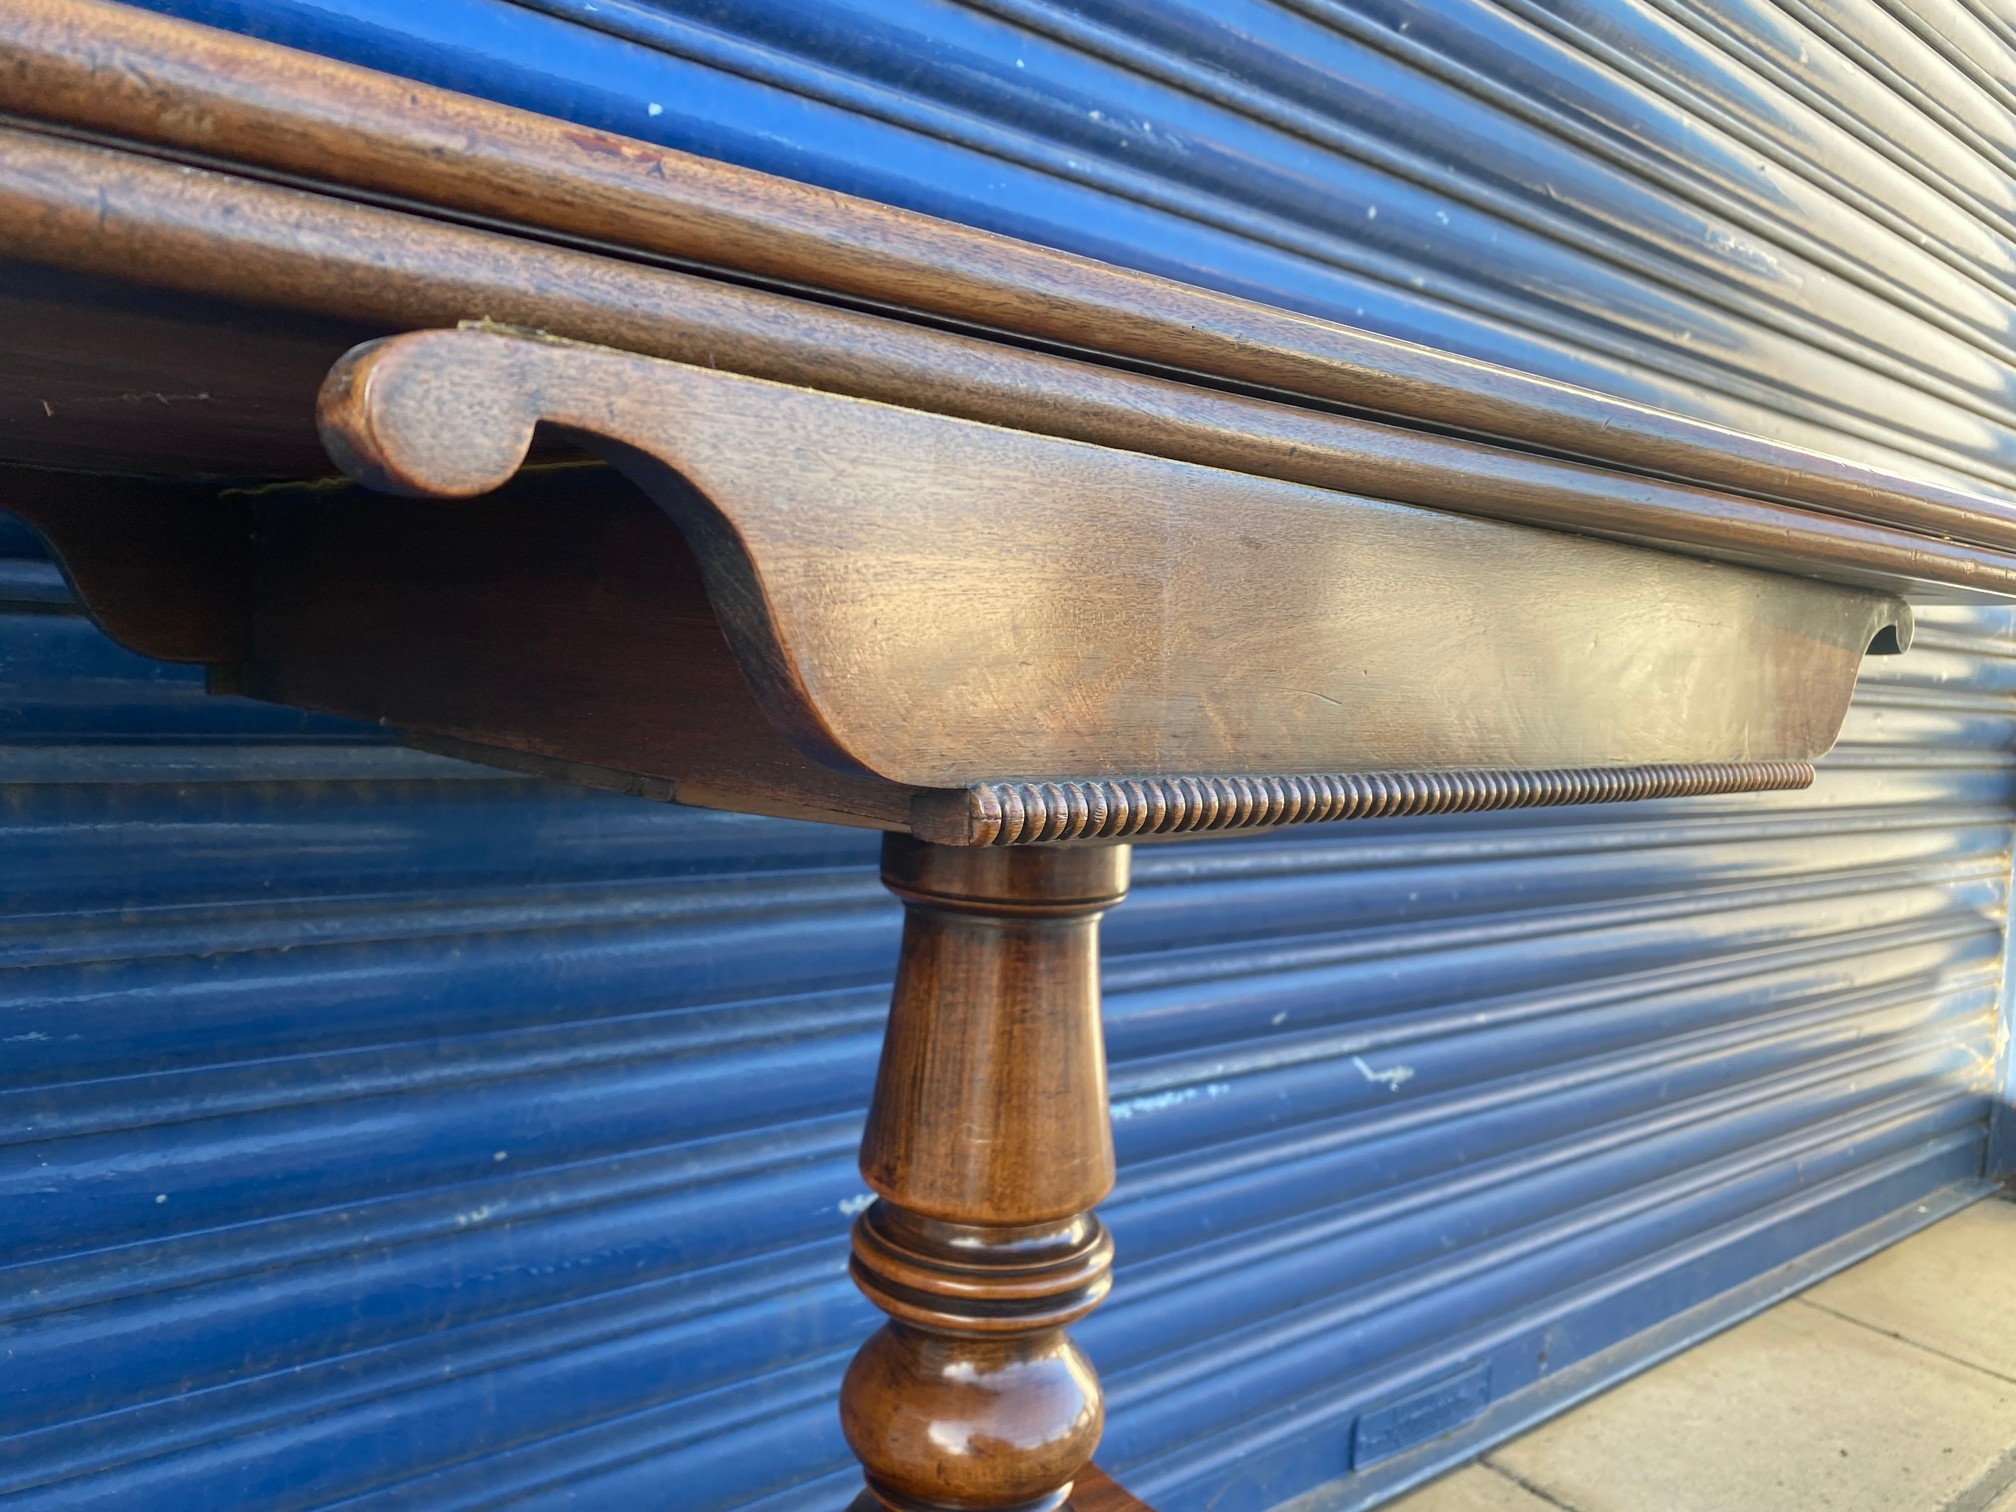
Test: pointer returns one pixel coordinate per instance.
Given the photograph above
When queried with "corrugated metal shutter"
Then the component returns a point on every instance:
(389, 1134)
(1621, 195)
(383, 1134)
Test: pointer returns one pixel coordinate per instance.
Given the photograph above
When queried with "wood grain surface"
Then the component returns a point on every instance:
(988, 1145)
(936, 602)
(294, 261)
(937, 529)
(101, 374)
(230, 99)
(561, 627)
(164, 569)
(1093, 1491)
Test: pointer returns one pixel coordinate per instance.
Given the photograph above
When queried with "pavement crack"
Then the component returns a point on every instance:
(1542, 1492)
(1917, 1344)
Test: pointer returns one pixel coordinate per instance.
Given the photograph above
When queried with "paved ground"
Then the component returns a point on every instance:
(1889, 1388)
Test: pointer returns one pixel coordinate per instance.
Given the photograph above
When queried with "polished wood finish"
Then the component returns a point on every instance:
(988, 1147)
(314, 260)
(215, 96)
(98, 374)
(938, 532)
(562, 627)
(1096, 1491)
(1014, 603)
(1035, 813)
(1093, 1491)
(565, 620)
(164, 568)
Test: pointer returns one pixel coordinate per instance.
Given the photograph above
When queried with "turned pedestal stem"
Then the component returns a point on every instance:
(988, 1145)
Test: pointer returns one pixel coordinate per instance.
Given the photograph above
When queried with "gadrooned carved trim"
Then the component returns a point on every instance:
(1025, 813)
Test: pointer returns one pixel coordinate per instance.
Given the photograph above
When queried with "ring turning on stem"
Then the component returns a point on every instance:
(988, 1146)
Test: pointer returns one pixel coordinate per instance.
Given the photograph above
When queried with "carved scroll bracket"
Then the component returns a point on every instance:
(935, 604)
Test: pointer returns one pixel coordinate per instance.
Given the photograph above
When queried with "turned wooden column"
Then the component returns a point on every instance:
(988, 1145)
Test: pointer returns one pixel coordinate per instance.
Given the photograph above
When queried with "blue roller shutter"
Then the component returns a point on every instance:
(1649, 200)
(393, 1134)
(385, 1133)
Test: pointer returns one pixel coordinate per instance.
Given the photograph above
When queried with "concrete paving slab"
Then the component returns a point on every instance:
(1797, 1410)
(1996, 1492)
(1948, 1288)
(1474, 1488)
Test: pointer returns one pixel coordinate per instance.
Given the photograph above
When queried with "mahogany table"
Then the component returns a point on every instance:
(708, 487)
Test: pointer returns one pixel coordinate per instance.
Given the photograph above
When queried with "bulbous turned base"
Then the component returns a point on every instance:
(973, 1396)
(944, 1420)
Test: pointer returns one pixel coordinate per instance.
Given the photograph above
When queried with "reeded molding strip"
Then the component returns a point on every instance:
(1026, 813)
